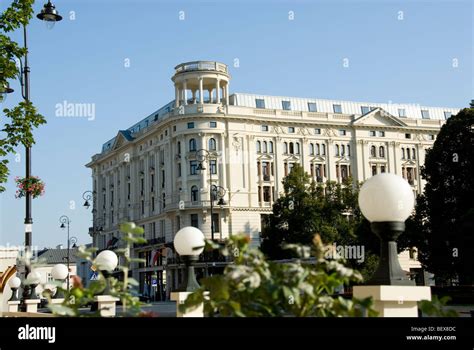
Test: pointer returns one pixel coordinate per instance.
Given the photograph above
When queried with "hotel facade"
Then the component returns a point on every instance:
(212, 158)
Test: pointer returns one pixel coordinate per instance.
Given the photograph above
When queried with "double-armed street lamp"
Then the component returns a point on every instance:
(387, 200)
(65, 221)
(50, 15)
(215, 192)
(189, 243)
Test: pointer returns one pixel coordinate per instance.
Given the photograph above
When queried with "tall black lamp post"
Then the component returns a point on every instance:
(64, 220)
(50, 15)
(387, 200)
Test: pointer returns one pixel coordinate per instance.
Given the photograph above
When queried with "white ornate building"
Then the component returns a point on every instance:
(149, 173)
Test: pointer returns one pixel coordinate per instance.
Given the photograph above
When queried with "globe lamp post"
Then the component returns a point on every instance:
(59, 272)
(14, 284)
(106, 261)
(387, 200)
(189, 243)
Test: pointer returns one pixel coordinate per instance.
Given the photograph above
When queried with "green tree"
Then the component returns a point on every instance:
(17, 123)
(305, 208)
(443, 225)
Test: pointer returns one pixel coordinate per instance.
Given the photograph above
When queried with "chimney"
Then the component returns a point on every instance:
(59, 246)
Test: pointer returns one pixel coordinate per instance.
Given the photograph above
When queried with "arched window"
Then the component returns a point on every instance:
(323, 149)
(343, 150)
(413, 154)
(311, 149)
(178, 146)
(381, 152)
(270, 147)
(297, 148)
(285, 147)
(348, 150)
(194, 194)
(292, 148)
(337, 150)
(259, 147)
(403, 153)
(264, 150)
(192, 145)
(373, 151)
(212, 144)
(318, 149)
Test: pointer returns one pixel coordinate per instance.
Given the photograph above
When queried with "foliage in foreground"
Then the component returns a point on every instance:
(437, 307)
(254, 287)
(79, 297)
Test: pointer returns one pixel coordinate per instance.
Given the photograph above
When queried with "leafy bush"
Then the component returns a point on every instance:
(79, 297)
(253, 286)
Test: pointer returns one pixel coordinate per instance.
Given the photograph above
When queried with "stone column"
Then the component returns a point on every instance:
(176, 96)
(201, 92)
(217, 90)
(185, 92)
(227, 93)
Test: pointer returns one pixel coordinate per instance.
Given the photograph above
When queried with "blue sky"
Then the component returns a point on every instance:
(82, 60)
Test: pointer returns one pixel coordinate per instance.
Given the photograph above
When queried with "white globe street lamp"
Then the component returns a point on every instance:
(189, 243)
(59, 272)
(32, 280)
(106, 261)
(14, 284)
(387, 200)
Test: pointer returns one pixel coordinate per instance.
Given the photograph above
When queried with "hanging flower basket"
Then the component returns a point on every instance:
(33, 185)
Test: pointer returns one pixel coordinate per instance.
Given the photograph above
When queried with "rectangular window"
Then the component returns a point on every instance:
(447, 115)
(266, 194)
(260, 103)
(365, 109)
(381, 133)
(193, 167)
(194, 220)
(337, 109)
(216, 222)
(213, 165)
(266, 169)
(374, 170)
(312, 107)
(179, 169)
(291, 129)
(342, 132)
(372, 133)
(264, 127)
(408, 136)
(425, 114)
(152, 200)
(286, 105)
(431, 137)
(143, 207)
(402, 113)
(317, 131)
(382, 168)
(191, 125)
(213, 124)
